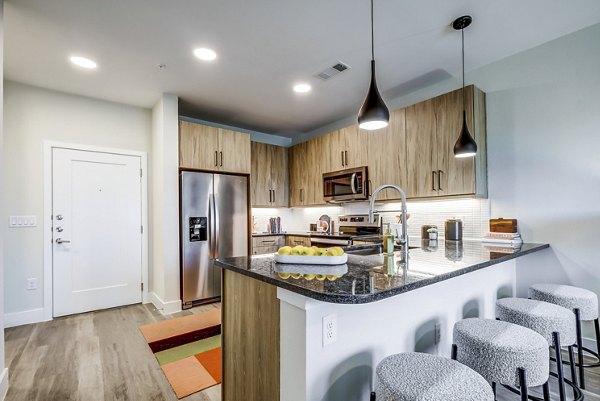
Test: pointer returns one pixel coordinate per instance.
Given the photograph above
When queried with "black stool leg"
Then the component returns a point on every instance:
(573, 370)
(454, 352)
(372, 396)
(579, 349)
(597, 327)
(546, 389)
(523, 384)
(494, 389)
(559, 366)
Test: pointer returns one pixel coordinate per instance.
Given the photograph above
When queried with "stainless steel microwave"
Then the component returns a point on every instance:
(346, 185)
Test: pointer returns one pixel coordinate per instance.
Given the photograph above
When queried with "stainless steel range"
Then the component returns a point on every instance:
(353, 229)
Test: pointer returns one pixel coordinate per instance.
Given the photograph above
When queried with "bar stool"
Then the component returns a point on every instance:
(553, 322)
(415, 376)
(585, 305)
(504, 353)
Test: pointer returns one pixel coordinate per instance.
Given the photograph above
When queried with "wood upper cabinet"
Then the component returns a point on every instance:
(269, 176)
(202, 147)
(421, 149)
(307, 164)
(432, 129)
(386, 156)
(234, 152)
(344, 149)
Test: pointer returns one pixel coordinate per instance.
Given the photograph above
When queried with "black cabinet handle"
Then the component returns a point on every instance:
(221, 153)
(216, 159)
(342, 153)
(273, 196)
(346, 157)
(440, 180)
(433, 177)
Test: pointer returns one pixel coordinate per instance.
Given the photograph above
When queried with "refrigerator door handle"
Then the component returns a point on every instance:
(216, 227)
(210, 228)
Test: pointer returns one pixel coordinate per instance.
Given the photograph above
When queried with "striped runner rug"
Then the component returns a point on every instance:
(188, 350)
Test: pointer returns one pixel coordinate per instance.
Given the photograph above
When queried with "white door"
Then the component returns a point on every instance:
(97, 239)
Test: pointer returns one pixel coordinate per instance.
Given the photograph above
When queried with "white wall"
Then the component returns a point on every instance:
(32, 116)
(165, 205)
(3, 370)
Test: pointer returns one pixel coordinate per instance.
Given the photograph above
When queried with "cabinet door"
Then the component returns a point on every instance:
(421, 149)
(234, 152)
(298, 175)
(334, 146)
(456, 176)
(279, 175)
(260, 176)
(355, 149)
(387, 156)
(198, 146)
(315, 152)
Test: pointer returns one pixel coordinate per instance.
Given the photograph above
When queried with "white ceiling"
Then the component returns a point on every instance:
(264, 47)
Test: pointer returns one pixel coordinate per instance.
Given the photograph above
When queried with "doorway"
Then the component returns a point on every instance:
(98, 244)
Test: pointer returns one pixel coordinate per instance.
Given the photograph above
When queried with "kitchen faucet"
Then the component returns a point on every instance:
(404, 238)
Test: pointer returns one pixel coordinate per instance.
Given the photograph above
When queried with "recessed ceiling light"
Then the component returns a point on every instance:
(302, 88)
(83, 62)
(205, 54)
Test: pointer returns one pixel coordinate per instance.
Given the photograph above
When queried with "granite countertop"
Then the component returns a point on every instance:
(362, 280)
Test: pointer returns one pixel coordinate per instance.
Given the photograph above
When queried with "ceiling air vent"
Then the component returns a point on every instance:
(333, 71)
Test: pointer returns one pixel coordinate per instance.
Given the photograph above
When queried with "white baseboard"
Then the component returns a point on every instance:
(26, 317)
(166, 308)
(3, 384)
(590, 343)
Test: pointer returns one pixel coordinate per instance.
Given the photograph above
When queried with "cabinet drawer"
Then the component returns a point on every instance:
(293, 240)
(268, 240)
(261, 250)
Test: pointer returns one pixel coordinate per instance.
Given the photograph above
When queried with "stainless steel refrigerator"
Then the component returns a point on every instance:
(214, 224)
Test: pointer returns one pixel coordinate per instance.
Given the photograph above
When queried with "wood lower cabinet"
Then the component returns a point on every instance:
(264, 244)
(202, 147)
(386, 150)
(294, 240)
(269, 180)
(432, 128)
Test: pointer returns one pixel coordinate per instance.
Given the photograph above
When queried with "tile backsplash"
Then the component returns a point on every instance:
(474, 213)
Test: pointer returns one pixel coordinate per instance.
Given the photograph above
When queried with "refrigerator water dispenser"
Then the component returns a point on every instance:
(198, 227)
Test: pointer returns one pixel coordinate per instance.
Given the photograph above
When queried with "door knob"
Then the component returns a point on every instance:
(62, 241)
(59, 229)
(59, 217)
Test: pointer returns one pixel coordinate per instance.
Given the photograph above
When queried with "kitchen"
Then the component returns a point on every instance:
(538, 81)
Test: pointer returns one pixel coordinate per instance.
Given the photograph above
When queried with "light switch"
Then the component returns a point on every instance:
(22, 221)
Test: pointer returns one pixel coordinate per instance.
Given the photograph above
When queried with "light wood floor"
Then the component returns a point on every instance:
(102, 356)
(94, 356)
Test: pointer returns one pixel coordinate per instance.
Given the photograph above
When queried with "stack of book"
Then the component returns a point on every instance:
(503, 239)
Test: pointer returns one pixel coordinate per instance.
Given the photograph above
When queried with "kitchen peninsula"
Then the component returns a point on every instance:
(275, 325)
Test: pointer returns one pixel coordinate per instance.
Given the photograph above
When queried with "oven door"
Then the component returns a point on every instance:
(345, 185)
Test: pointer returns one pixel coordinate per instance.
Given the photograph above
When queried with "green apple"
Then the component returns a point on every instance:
(297, 250)
(337, 251)
(296, 276)
(285, 250)
(322, 252)
(309, 252)
(309, 277)
(321, 277)
(284, 275)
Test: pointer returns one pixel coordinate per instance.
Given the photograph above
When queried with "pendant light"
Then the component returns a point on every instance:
(373, 114)
(465, 146)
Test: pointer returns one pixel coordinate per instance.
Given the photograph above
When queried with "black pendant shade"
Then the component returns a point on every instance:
(465, 146)
(373, 114)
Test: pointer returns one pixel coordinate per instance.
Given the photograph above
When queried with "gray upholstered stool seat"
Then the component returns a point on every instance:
(497, 349)
(414, 376)
(542, 317)
(568, 297)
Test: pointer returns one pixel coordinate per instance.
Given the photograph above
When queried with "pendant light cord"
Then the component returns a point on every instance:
(462, 32)
(372, 35)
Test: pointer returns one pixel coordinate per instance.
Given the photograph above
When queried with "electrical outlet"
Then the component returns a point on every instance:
(329, 329)
(32, 283)
(438, 333)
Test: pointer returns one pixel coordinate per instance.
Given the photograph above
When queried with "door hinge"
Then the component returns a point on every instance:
(141, 229)
(141, 173)
(142, 285)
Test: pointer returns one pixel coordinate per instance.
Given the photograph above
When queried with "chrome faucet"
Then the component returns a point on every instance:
(403, 240)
